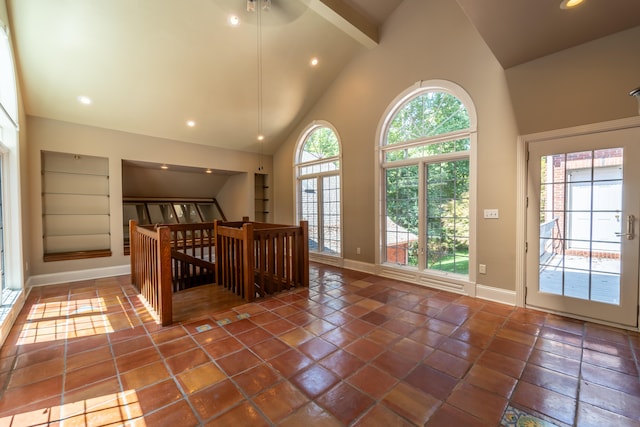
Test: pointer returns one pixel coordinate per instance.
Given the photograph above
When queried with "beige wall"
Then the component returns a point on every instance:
(65, 137)
(423, 40)
(587, 84)
(156, 182)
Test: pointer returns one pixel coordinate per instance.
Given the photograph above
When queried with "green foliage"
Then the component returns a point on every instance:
(454, 263)
(447, 210)
(322, 143)
(448, 237)
(428, 114)
(402, 196)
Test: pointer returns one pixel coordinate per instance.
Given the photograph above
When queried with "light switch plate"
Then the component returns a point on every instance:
(491, 214)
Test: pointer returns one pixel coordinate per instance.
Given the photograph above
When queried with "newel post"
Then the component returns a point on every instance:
(248, 262)
(304, 225)
(165, 290)
(133, 224)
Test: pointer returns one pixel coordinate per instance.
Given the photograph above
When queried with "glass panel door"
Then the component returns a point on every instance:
(582, 258)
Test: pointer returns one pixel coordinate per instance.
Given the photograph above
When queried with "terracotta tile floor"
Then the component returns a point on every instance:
(353, 349)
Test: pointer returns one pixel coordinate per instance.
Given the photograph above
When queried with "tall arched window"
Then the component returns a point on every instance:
(318, 187)
(10, 222)
(426, 145)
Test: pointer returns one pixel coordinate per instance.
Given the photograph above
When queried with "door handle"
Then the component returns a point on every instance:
(630, 223)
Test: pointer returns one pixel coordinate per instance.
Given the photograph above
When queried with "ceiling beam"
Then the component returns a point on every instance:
(349, 20)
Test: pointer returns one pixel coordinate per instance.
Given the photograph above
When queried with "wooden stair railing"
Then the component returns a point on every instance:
(251, 259)
(151, 269)
(272, 257)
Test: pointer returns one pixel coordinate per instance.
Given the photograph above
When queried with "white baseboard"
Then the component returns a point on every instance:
(473, 290)
(326, 259)
(75, 276)
(363, 267)
(490, 293)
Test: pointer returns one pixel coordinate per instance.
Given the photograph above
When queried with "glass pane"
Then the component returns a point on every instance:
(309, 210)
(579, 250)
(580, 160)
(328, 166)
(552, 169)
(576, 283)
(605, 286)
(161, 213)
(321, 143)
(133, 211)
(448, 216)
(580, 193)
(331, 214)
(187, 213)
(428, 114)
(209, 212)
(604, 228)
(401, 226)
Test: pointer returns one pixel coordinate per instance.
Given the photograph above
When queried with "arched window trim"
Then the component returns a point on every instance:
(299, 164)
(428, 277)
(418, 89)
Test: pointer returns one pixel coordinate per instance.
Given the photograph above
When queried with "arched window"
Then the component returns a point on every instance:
(426, 145)
(318, 187)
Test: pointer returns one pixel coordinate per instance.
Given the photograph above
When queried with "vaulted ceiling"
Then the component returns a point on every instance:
(149, 66)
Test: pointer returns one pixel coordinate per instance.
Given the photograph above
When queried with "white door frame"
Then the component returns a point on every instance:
(521, 186)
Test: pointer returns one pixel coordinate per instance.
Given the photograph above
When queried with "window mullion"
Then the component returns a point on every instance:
(422, 216)
(320, 201)
(319, 174)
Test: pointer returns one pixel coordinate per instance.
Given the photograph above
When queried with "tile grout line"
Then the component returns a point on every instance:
(576, 412)
(63, 417)
(129, 419)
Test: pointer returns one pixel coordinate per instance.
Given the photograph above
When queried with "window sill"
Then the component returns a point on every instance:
(9, 298)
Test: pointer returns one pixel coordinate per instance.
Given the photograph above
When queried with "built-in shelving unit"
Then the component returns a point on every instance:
(75, 206)
(262, 198)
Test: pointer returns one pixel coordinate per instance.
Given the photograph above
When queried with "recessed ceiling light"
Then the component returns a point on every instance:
(568, 4)
(260, 137)
(314, 61)
(209, 171)
(165, 167)
(85, 100)
(191, 123)
(233, 20)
